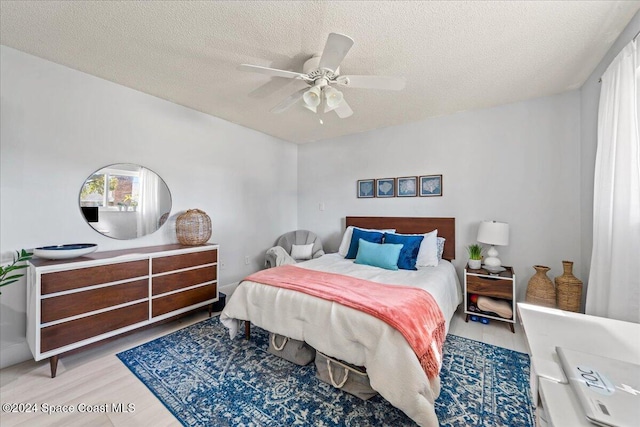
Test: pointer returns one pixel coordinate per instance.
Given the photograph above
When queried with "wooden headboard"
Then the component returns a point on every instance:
(417, 225)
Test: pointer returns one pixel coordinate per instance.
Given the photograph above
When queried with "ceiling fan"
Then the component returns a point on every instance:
(322, 74)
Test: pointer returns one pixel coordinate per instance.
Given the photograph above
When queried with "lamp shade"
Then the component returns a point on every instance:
(493, 233)
(333, 97)
(311, 98)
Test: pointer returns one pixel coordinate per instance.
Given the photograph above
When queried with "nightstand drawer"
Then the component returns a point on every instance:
(495, 287)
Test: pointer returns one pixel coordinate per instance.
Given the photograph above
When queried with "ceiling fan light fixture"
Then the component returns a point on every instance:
(333, 98)
(322, 74)
(312, 99)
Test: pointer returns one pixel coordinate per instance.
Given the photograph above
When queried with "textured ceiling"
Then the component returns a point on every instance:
(454, 55)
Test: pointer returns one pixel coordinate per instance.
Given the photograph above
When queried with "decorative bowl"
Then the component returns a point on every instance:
(494, 270)
(65, 251)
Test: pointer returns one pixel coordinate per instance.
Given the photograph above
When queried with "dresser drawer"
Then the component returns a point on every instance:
(496, 287)
(66, 333)
(176, 262)
(183, 279)
(63, 306)
(163, 305)
(81, 277)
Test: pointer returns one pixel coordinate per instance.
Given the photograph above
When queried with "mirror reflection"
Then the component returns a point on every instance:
(125, 201)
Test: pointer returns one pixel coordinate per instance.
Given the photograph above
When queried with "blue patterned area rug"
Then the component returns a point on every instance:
(206, 379)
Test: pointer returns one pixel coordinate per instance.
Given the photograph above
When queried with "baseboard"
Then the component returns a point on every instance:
(14, 353)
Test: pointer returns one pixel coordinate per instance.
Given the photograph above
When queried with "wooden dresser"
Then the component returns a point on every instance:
(73, 303)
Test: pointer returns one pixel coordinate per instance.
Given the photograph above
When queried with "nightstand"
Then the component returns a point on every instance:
(500, 286)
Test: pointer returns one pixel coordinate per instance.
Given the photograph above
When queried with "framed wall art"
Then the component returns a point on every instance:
(385, 187)
(430, 185)
(366, 188)
(407, 186)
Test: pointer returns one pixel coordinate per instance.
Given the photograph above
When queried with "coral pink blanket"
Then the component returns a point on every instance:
(412, 311)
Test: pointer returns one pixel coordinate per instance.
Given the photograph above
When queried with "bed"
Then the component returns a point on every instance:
(352, 335)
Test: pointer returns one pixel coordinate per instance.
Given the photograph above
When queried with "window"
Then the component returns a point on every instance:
(111, 189)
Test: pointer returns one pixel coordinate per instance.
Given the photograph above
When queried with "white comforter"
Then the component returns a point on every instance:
(350, 335)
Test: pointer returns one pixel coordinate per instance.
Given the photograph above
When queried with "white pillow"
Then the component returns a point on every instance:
(441, 242)
(428, 253)
(302, 251)
(348, 233)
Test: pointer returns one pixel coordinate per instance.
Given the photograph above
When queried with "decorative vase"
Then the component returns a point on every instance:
(193, 227)
(568, 289)
(540, 289)
(475, 264)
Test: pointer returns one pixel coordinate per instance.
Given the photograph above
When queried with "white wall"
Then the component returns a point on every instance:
(590, 98)
(59, 125)
(518, 163)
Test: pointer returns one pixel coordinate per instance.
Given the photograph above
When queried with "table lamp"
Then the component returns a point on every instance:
(493, 233)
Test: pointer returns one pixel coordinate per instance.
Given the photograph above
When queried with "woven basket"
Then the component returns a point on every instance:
(569, 289)
(540, 289)
(193, 227)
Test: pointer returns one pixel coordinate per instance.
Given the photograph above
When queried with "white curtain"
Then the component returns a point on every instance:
(614, 279)
(149, 202)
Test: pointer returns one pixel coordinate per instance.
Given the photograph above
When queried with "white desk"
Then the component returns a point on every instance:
(547, 328)
(560, 405)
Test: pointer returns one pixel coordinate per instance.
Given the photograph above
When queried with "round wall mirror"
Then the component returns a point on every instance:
(125, 201)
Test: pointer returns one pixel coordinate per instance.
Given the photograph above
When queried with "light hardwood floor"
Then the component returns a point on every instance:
(97, 377)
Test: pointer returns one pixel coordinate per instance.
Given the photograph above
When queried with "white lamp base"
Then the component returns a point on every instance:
(492, 259)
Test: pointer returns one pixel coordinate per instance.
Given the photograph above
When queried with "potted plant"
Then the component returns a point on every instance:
(18, 263)
(475, 256)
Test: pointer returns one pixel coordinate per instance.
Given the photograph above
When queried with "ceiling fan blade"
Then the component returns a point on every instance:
(289, 101)
(334, 51)
(271, 71)
(372, 82)
(343, 110)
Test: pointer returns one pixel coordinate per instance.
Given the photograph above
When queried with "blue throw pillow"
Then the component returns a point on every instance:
(410, 249)
(378, 255)
(369, 236)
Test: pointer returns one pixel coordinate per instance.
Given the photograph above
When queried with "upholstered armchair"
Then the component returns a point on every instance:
(292, 247)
